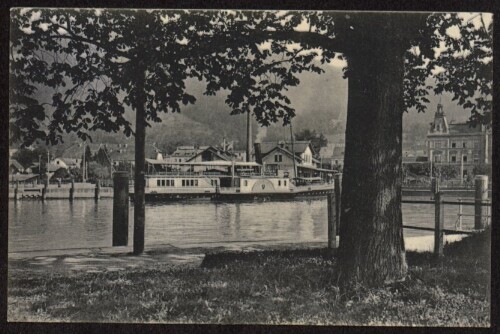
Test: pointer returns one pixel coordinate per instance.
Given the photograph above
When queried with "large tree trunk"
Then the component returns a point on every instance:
(140, 164)
(371, 249)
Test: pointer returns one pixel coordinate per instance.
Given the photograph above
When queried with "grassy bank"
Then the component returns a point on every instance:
(263, 287)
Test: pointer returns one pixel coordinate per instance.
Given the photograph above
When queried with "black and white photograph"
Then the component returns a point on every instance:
(250, 167)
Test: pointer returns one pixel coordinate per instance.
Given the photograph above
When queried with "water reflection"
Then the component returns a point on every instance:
(59, 224)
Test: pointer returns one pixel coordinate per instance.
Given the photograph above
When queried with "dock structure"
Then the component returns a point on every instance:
(69, 191)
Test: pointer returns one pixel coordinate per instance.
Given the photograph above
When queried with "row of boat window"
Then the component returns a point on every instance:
(184, 182)
(190, 183)
(165, 183)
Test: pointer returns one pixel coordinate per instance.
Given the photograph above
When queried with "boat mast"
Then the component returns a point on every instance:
(293, 153)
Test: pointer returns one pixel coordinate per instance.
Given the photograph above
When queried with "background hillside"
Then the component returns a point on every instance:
(320, 102)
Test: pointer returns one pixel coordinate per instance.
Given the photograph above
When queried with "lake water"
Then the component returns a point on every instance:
(59, 224)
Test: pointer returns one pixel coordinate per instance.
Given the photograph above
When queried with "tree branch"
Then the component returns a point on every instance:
(307, 39)
(72, 36)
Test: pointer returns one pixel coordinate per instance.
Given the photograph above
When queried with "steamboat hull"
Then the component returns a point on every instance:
(235, 196)
(238, 197)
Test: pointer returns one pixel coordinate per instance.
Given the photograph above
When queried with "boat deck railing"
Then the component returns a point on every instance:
(205, 173)
(182, 173)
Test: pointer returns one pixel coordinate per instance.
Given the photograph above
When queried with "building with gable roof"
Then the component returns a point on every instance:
(185, 153)
(15, 167)
(279, 159)
(460, 144)
(212, 153)
(67, 163)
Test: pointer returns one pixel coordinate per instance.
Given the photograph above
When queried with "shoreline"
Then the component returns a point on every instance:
(249, 285)
(81, 259)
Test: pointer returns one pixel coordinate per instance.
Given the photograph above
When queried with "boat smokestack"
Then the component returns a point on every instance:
(258, 153)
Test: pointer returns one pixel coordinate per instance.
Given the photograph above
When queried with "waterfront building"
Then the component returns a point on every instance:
(334, 151)
(15, 167)
(211, 153)
(184, 153)
(124, 154)
(279, 159)
(458, 144)
(67, 163)
(26, 180)
(338, 155)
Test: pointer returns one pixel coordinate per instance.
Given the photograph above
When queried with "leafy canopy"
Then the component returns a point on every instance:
(89, 59)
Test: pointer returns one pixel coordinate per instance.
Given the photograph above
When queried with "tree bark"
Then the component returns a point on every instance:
(371, 249)
(140, 163)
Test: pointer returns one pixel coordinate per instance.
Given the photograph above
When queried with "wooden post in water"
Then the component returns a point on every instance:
(434, 186)
(97, 193)
(120, 208)
(16, 191)
(72, 191)
(44, 189)
(338, 193)
(334, 212)
(460, 214)
(332, 226)
(439, 225)
(481, 194)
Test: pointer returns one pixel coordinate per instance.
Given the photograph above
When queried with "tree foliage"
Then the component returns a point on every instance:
(482, 169)
(27, 157)
(318, 140)
(89, 58)
(456, 51)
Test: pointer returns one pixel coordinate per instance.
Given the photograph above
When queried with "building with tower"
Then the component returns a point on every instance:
(459, 144)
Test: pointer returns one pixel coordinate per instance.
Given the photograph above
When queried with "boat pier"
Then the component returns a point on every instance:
(70, 191)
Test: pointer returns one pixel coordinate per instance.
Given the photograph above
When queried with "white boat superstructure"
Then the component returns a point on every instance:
(221, 180)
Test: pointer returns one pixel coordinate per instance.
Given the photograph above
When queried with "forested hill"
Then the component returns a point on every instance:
(320, 102)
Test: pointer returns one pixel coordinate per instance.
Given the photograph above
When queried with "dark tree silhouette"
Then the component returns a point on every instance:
(318, 140)
(141, 59)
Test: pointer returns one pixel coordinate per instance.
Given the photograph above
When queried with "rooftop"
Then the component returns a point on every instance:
(459, 128)
(16, 164)
(298, 146)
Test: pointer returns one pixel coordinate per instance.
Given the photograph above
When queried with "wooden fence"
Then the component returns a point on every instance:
(480, 202)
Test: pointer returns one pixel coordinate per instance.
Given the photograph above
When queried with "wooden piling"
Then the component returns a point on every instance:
(72, 191)
(16, 191)
(439, 225)
(120, 208)
(44, 189)
(460, 214)
(434, 186)
(334, 212)
(481, 195)
(97, 194)
(338, 193)
(332, 224)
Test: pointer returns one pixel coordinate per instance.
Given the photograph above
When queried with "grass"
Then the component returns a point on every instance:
(270, 287)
